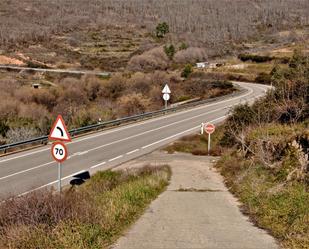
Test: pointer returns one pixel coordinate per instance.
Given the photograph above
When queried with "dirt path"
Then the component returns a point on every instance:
(196, 211)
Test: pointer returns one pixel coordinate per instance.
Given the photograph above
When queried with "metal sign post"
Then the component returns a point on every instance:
(59, 177)
(59, 132)
(166, 94)
(60, 153)
(166, 97)
(209, 129)
(208, 143)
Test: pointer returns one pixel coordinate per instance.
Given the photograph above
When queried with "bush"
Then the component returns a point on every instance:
(140, 83)
(162, 29)
(187, 71)
(183, 46)
(114, 87)
(154, 59)
(3, 128)
(169, 51)
(21, 134)
(91, 216)
(134, 103)
(263, 78)
(190, 55)
(255, 58)
(241, 117)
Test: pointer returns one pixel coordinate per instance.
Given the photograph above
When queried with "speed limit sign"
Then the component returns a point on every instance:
(59, 152)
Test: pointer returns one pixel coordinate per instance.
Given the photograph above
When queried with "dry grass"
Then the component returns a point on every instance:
(91, 216)
(198, 144)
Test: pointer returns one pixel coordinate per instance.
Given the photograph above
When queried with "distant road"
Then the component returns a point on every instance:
(44, 70)
(35, 169)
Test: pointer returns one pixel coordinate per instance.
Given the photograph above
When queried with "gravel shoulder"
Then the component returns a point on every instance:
(196, 211)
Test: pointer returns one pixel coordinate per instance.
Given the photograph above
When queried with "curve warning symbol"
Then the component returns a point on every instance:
(59, 131)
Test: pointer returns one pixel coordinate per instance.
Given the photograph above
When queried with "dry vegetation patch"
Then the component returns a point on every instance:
(91, 216)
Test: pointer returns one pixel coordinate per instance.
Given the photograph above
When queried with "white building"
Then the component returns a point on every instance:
(202, 64)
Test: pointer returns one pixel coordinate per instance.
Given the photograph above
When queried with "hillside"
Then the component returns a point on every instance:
(265, 151)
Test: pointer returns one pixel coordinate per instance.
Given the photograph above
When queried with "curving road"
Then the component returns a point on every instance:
(35, 169)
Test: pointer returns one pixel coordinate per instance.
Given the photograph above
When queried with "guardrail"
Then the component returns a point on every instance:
(44, 139)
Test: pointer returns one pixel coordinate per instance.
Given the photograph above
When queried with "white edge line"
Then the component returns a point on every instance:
(51, 183)
(180, 133)
(136, 124)
(115, 158)
(131, 152)
(97, 165)
(111, 143)
(114, 142)
(117, 141)
(26, 170)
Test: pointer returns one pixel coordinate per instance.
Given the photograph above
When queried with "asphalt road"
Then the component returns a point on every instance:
(48, 70)
(35, 169)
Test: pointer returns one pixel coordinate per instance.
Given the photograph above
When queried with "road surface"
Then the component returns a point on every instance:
(47, 70)
(35, 169)
(195, 212)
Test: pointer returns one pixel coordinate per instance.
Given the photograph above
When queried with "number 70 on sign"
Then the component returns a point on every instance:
(59, 152)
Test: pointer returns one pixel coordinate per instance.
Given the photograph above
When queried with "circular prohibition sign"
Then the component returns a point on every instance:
(209, 128)
(59, 152)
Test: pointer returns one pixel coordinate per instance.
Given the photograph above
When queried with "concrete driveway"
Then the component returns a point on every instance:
(196, 211)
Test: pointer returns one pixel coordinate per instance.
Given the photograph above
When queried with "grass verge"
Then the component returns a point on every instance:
(91, 216)
(282, 208)
(274, 195)
(198, 144)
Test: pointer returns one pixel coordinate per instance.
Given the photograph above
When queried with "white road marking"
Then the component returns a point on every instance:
(126, 127)
(97, 165)
(115, 158)
(100, 164)
(128, 138)
(156, 129)
(250, 91)
(26, 170)
(51, 183)
(131, 152)
(82, 153)
(41, 165)
(180, 133)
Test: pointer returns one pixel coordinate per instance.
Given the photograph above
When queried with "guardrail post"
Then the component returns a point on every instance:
(73, 132)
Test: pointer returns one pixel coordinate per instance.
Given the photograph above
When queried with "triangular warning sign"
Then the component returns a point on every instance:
(59, 131)
(166, 89)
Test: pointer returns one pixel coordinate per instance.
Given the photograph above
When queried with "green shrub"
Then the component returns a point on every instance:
(263, 78)
(162, 29)
(183, 46)
(255, 58)
(3, 128)
(169, 51)
(187, 71)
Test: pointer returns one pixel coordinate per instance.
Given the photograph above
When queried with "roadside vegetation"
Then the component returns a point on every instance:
(264, 154)
(26, 112)
(144, 44)
(92, 215)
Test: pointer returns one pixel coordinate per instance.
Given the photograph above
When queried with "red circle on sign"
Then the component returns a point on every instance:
(209, 128)
(62, 146)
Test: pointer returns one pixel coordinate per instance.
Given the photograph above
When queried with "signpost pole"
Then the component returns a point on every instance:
(59, 177)
(202, 128)
(208, 143)
(165, 104)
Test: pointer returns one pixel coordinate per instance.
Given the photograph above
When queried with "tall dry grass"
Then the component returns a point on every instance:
(91, 216)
